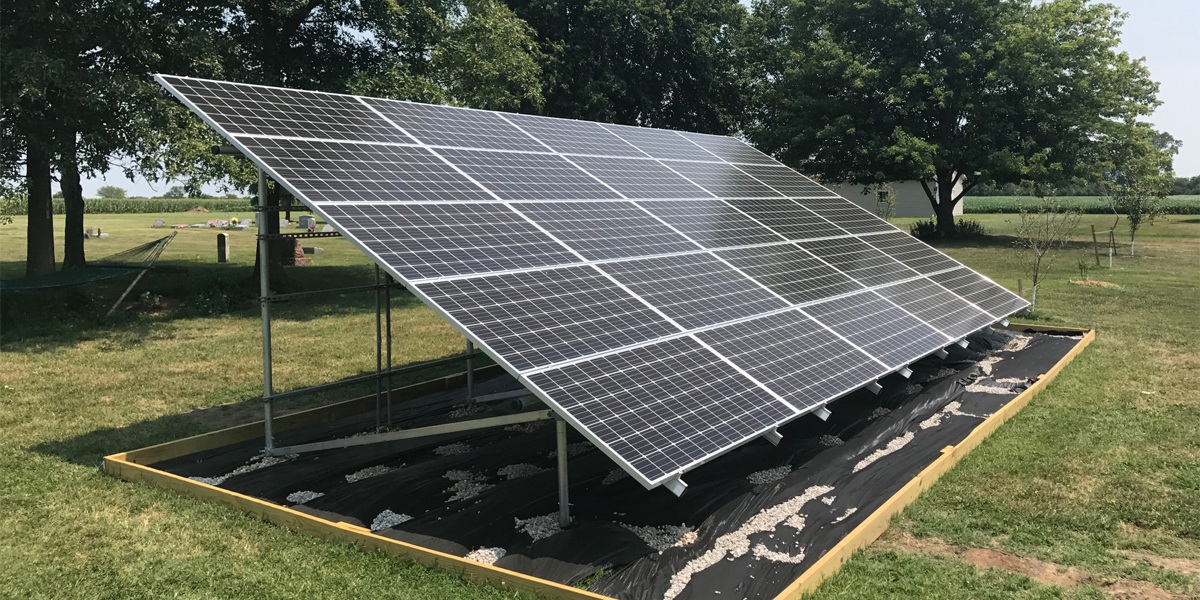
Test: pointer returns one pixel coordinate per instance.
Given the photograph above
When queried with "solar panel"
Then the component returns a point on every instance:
(671, 295)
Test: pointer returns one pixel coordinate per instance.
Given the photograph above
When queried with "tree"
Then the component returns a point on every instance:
(176, 191)
(660, 63)
(944, 91)
(110, 191)
(1141, 177)
(1040, 233)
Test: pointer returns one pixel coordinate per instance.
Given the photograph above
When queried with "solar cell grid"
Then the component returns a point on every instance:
(711, 223)
(660, 143)
(787, 218)
(347, 172)
(638, 178)
(906, 249)
(786, 181)
(446, 126)
(605, 230)
(795, 357)
(791, 272)
(947, 312)
(664, 407)
(695, 290)
(729, 149)
(439, 240)
(574, 137)
(257, 110)
(881, 328)
(520, 176)
(983, 293)
(859, 261)
(535, 318)
(723, 180)
(846, 214)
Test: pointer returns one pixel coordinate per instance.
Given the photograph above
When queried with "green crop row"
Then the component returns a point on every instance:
(18, 206)
(1095, 205)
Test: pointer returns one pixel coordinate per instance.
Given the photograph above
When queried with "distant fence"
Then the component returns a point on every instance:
(18, 206)
(1175, 205)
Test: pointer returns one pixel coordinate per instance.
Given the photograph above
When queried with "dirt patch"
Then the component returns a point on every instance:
(1095, 283)
(1046, 573)
(1179, 565)
(197, 209)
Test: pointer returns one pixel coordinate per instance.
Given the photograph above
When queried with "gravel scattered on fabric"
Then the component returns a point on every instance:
(687, 539)
(461, 475)
(368, 472)
(520, 470)
(1018, 343)
(572, 449)
(529, 427)
(388, 519)
(943, 372)
(913, 388)
(828, 500)
(258, 462)
(879, 412)
(988, 387)
(303, 496)
(769, 475)
(894, 445)
(985, 365)
(614, 476)
(452, 449)
(831, 440)
(659, 537)
(467, 484)
(539, 528)
(845, 515)
(465, 410)
(487, 556)
(737, 543)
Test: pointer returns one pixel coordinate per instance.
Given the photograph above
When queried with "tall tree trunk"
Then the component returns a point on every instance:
(68, 168)
(945, 205)
(39, 257)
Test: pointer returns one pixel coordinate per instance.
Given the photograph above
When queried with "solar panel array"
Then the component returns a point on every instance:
(672, 295)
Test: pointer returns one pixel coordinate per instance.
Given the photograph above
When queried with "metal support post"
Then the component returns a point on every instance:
(264, 290)
(378, 349)
(564, 505)
(387, 292)
(470, 372)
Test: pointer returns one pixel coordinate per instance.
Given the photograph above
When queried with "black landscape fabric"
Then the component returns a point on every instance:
(749, 524)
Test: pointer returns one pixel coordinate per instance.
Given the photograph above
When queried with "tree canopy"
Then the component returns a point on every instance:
(946, 91)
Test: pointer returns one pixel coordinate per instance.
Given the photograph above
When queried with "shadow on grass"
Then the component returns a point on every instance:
(45, 321)
(996, 242)
(89, 449)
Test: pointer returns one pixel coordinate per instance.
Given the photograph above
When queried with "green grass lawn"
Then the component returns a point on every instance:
(1100, 472)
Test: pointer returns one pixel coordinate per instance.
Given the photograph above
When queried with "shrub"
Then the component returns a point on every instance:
(964, 229)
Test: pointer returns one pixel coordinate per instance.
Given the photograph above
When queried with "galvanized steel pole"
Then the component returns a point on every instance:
(264, 292)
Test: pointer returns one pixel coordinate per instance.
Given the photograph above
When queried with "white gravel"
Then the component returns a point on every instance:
(368, 472)
(988, 387)
(913, 388)
(985, 365)
(737, 543)
(769, 475)
(529, 427)
(614, 476)
(467, 484)
(831, 440)
(388, 519)
(687, 539)
(465, 410)
(845, 515)
(303, 496)
(896, 444)
(572, 449)
(258, 462)
(659, 537)
(943, 372)
(828, 500)
(953, 408)
(487, 556)
(520, 470)
(452, 449)
(1018, 343)
(539, 528)
(879, 412)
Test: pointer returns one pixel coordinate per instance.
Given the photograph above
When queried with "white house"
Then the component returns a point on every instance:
(911, 200)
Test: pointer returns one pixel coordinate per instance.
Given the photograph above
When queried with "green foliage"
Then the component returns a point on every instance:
(111, 192)
(936, 90)
(641, 62)
(175, 192)
(1141, 202)
(16, 205)
(964, 229)
(1186, 186)
(1094, 205)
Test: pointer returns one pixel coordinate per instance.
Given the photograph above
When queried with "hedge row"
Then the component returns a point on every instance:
(17, 206)
(1174, 205)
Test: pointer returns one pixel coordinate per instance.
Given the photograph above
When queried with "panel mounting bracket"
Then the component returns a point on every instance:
(875, 387)
(1004, 322)
(676, 485)
(905, 372)
(822, 413)
(773, 436)
(962, 343)
(942, 353)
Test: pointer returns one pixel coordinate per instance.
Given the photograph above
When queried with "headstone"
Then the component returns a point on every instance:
(197, 225)
(87, 233)
(222, 248)
(241, 226)
(296, 255)
(307, 222)
(284, 223)
(103, 236)
(313, 250)
(159, 223)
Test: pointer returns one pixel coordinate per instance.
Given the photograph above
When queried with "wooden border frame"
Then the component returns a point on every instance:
(132, 466)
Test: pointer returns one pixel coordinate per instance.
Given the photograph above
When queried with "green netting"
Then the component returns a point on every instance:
(124, 262)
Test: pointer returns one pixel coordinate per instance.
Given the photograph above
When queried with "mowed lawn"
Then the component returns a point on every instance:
(1101, 472)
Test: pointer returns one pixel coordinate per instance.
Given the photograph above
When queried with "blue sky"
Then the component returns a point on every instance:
(1160, 30)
